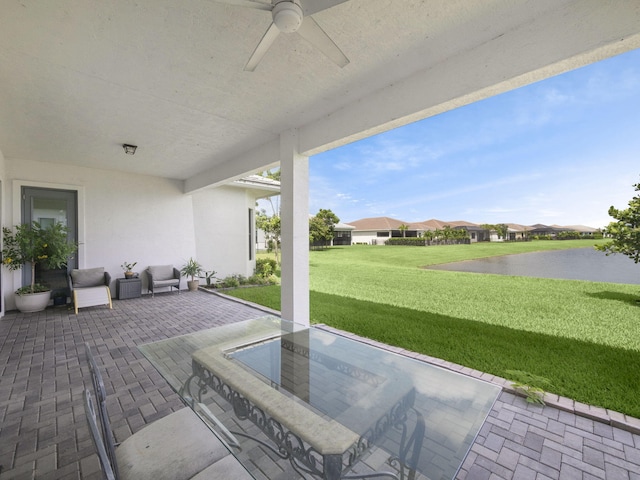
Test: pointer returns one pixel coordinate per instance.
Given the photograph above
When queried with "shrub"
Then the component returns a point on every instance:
(262, 280)
(568, 236)
(232, 281)
(411, 241)
(265, 267)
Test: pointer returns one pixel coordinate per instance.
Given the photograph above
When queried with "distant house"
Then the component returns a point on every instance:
(377, 230)
(476, 233)
(515, 233)
(544, 230)
(581, 229)
(518, 232)
(554, 231)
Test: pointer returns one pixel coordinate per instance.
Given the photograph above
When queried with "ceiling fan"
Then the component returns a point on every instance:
(291, 16)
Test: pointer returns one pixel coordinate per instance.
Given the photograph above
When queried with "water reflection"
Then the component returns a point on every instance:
(575, 264)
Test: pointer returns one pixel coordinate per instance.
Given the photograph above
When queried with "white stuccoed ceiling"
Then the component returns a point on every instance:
(79, 78)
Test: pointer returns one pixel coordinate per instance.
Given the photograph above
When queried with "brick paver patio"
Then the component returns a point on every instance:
(43, 432)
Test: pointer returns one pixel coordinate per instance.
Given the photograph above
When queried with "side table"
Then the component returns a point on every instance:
(128, 288)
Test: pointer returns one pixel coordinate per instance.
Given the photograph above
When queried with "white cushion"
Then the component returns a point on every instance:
(176, 447)
(88, 297)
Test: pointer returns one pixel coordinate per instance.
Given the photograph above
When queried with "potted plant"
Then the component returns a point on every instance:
(208, 275)
(35, 245)
(192, 269)
(128, 269)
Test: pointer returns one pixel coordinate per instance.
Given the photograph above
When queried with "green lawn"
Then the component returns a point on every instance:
(583, 336)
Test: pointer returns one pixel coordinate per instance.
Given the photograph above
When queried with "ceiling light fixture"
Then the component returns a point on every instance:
(129, 149)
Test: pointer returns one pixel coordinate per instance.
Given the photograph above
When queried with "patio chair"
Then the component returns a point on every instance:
(163, 276)
(176, 447)
(89, 287)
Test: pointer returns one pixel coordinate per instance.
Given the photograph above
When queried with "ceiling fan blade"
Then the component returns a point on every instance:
(256, 4)
(312, 33)
(309, 7)
(266, 42)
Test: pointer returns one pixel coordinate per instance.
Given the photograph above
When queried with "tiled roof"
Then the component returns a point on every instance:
(516, 227)
(434, 224)
(577, 228)
(377, 223)
(343, 226)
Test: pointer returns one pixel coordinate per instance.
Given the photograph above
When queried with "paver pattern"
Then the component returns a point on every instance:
(43, 433)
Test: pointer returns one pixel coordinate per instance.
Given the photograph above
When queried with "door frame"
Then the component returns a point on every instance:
(70, 199)
(17, 186)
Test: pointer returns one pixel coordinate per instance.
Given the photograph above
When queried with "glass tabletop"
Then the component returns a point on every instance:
(331, 406)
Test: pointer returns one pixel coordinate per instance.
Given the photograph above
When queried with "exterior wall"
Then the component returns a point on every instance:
(2, 216)
(221, 218)
(517, 236)
(122, 217)
(370, 238)
(261, 240)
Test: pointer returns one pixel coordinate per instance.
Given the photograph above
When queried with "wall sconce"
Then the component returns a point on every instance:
(129, 149)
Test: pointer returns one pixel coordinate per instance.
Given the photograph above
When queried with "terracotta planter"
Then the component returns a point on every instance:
(193, 285)
(32, 302)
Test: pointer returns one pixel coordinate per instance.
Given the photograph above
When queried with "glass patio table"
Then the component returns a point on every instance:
(298, 402)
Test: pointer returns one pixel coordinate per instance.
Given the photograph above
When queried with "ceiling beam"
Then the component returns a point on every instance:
(261, 158)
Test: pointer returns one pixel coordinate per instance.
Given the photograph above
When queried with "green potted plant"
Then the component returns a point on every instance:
(128, 269)
(192, 269)
(35, 245)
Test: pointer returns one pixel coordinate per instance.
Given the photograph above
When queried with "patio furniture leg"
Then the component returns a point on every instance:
(332, 467)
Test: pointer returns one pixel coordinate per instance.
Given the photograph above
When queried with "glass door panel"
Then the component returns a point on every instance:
(48, 206)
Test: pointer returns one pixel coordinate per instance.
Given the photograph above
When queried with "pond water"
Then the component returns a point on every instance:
(575, 264)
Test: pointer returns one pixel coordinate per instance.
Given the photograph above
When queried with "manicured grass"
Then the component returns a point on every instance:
(583, 336)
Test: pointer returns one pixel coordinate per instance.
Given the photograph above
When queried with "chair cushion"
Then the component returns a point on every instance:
(175, 447)
(161, 272)
(87, 277)
(165, 283)
(228, 467)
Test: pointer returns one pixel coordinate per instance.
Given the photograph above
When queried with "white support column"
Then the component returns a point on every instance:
(294, 216)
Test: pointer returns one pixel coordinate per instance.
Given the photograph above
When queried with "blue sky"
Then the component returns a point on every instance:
(560, 151)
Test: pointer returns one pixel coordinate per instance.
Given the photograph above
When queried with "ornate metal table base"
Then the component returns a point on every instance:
(306, 460)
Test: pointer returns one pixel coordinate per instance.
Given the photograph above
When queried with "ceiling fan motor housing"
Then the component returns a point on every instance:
(287, 16)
